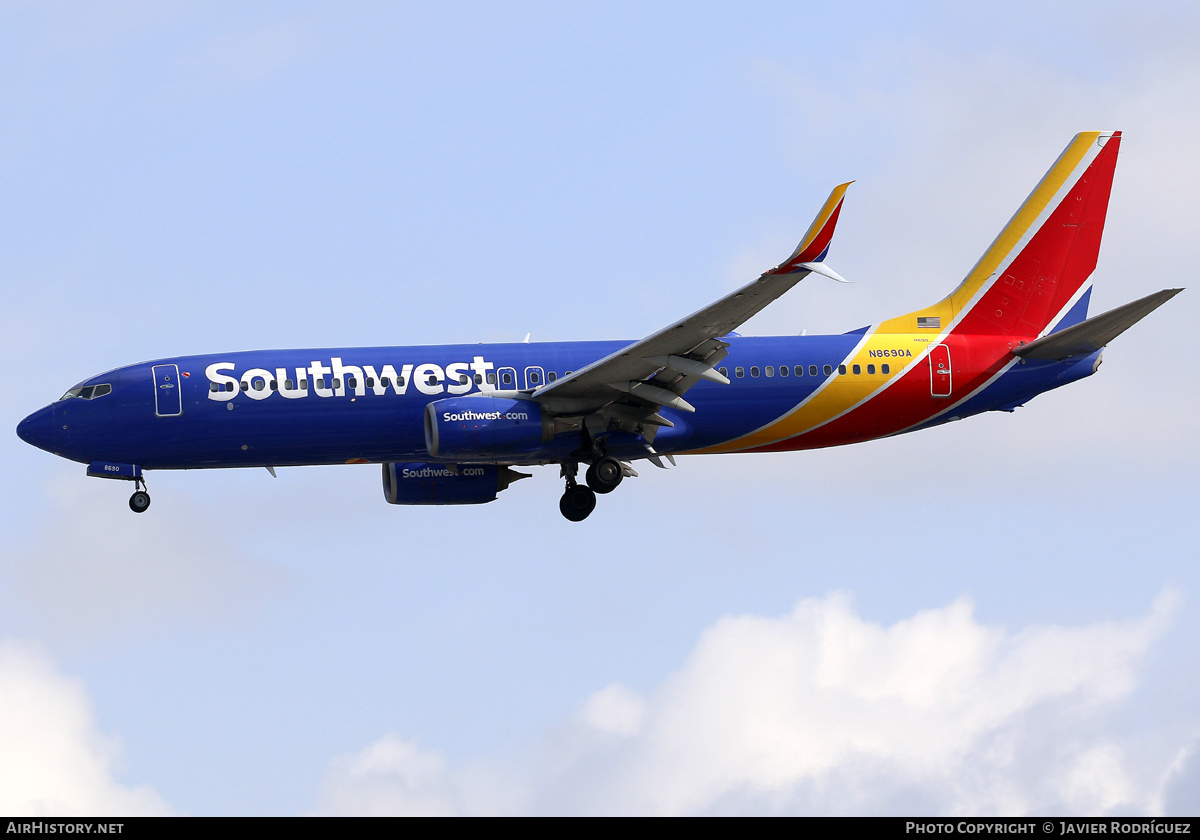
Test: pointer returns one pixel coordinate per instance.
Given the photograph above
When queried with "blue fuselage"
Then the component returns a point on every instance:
(335, 406)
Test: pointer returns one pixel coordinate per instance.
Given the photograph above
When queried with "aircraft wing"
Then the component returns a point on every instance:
(660, 368)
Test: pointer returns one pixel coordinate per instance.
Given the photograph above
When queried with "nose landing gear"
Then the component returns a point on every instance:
(140, 500)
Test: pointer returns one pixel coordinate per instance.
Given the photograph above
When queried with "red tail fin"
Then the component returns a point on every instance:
(1044, 257)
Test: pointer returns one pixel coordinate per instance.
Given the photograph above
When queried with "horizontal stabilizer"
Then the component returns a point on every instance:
(1090, 335)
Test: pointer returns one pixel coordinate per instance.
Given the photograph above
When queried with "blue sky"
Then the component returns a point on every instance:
(998, 616)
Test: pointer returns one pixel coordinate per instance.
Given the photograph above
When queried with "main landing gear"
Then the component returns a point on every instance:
(140, 500)
(604, 475)
(579, 500)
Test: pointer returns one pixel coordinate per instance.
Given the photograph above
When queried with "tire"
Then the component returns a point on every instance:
(604, 475)
(139, 501)
(577, 503)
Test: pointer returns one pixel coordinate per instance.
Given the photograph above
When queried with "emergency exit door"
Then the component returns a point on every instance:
(941, 380)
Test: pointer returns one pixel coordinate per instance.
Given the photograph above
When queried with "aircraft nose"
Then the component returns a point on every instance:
(38, 428)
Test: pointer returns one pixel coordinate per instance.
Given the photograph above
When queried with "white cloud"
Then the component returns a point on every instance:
(53, 759)
(617, 710)
(820, 711)
(392, 777)
(1099, 776)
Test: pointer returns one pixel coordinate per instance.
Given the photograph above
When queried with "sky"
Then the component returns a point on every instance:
(996, 617)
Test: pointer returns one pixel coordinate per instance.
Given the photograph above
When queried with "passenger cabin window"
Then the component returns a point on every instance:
(291, 386)
(870, 368)
(812, 370)
(370, 382)
(724, 372)
(783, 370)
(506, 379)
(800, 370)
(463, 380)
(534, 378)
(770, 371)
(214, 386)
(739, 372)
(491, 379)
(887, 369)
(842, 370)
(479, 379)
(274, 385)
(552, 376)
(754, 371)
(857, 369)
(245, 385)
(828, 370)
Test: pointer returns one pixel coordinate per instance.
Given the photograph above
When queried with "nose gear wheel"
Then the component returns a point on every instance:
(140, 500)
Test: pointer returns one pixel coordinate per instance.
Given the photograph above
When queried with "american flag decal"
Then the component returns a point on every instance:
(929, 323)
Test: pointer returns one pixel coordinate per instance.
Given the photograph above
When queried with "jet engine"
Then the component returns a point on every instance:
(485, 428)
(445, 484)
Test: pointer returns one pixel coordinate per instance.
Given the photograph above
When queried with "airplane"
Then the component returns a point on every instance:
(450, 423)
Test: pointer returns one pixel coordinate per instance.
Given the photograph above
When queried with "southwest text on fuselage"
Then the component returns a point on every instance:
(336, 379)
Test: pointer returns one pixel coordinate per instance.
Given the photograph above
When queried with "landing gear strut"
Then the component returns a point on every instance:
(140, 500)
(578, 500)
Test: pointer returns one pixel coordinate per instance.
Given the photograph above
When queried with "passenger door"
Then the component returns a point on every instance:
(168, 402)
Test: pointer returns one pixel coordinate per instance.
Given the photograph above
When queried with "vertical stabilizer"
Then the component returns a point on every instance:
(1036, 274)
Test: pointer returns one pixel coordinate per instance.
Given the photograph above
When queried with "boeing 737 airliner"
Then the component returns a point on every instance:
(449, 423)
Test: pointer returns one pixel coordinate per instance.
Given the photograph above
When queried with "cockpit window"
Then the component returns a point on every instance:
(87, 392)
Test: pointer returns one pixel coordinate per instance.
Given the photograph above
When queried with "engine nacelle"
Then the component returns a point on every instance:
(445, 484)
(485, 428)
